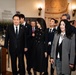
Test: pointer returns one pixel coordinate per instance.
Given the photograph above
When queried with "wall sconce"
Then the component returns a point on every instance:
(39, 13)
(73, 9)
(74, 12)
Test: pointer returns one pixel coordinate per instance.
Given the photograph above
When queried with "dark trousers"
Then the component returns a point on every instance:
(21, 65)
(52, 70)
(29, 62)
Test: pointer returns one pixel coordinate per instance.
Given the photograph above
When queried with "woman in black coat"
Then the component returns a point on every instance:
(40, 52)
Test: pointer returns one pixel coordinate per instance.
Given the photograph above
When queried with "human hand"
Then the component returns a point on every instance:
(25, 49)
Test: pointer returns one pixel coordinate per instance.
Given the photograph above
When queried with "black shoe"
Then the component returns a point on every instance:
(41, 73)
(45, 73)
(29, 73)
(52, 74)
(34, 73)
(18, 72)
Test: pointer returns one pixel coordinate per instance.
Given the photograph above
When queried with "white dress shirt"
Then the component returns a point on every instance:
(51, 29)
(15, 28)
(61, 38)
(24, 23)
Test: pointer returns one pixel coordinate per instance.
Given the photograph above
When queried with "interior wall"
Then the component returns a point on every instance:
(73, 6)
(30, 7)
(7, 9)
(55, 8)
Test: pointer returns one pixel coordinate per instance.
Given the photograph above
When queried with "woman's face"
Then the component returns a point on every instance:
(38, 25)
(62, 26)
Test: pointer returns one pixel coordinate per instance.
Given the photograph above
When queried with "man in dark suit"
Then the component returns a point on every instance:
(49, 36)
(33, 24)
(28, 30)
(16, 41)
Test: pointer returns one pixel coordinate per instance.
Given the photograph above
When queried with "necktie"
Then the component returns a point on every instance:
(16, 35)
(16, 31)
(33, 29)
(49, 30)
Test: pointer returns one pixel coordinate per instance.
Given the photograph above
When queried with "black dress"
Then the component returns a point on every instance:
(40, 60)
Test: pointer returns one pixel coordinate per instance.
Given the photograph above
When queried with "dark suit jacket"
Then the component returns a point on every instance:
(49, 38)
(28, 30)
(14, 42)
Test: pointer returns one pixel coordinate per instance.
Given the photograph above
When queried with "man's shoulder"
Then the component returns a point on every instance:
(10, 26)
(28, 26)
(22, 26)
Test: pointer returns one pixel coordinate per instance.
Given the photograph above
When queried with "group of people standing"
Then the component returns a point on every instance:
(39, 44)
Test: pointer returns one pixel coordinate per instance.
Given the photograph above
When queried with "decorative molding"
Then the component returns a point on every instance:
(60, 12)
(56, 6)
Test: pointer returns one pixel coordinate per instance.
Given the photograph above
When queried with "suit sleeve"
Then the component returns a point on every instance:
(29, 33)
(6, 38)
(25, 38)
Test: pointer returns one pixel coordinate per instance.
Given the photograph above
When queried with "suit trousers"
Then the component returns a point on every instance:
(21, 65)
(29, 62)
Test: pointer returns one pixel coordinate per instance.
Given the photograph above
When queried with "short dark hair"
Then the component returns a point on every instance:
(67, 16)
(16, 15)
(22, 16)
(54, 20)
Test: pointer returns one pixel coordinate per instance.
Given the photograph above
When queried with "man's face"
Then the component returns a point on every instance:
(33, 24)
(16, 20)
(21, 20)
(52, 22)
(64, 17)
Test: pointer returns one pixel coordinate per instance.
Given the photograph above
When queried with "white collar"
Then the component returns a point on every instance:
(24, 23)
(16, 26)
(62, 33)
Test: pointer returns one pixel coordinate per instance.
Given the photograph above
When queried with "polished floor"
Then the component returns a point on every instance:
(9, 72)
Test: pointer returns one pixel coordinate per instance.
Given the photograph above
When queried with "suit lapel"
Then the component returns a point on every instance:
(20, 28)
(13, 30)
(56, 37)
(65, 41)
